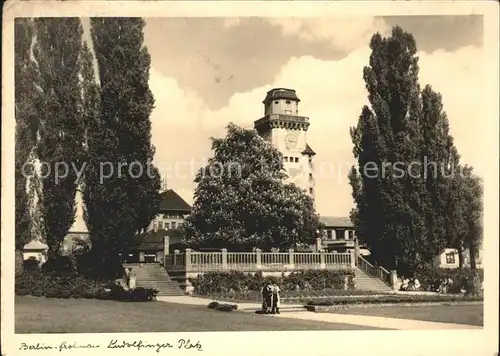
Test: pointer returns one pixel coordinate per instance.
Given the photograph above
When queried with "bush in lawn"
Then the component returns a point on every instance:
(222, 307)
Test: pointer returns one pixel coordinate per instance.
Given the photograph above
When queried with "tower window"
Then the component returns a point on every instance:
(276, 102)
(296, 159)
(311, 191)
(310, 176)
(285, 159)
(288, 102)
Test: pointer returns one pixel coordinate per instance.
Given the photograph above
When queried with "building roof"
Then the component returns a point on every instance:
(35, 245)
(308, 151)
(173, 202)
(281, 93)
(332, 221)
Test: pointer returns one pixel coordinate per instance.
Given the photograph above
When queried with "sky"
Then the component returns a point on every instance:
(207, 72)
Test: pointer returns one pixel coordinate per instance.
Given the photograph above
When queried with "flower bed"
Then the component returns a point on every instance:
(395, 299)
(292, 296)
(238, 283)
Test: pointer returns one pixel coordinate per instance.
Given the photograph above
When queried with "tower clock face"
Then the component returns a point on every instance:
(291, 140)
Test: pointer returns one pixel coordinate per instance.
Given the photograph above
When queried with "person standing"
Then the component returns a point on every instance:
(266, 293)
(275, 309)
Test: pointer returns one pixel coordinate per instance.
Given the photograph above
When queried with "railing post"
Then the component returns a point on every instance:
(187, 262)
(322, 259)
(353, 258)
(224, 258)
(175, 259)
(291, 261)
(258, 258)
(394, 280)
(166, 248)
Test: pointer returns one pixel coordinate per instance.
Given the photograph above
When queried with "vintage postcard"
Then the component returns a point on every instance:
(250, 177)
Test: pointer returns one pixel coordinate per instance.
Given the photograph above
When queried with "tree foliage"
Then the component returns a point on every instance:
(26, 117)
(121, 191)
(405, 185)
(57, 52)
(241, 201)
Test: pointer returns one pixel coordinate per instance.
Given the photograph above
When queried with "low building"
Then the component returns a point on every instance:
(173, 212)
(450, 258)
(149, 246)
(339, 234)
(37, 250)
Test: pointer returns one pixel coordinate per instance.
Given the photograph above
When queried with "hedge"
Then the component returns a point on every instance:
(235, 282)
(394, 299)
(74, 286)
(430, 278)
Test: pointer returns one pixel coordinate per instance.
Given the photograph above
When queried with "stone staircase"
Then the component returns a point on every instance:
(365, 282)
(152, 275)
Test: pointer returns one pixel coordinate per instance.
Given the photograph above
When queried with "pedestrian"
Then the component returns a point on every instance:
(275, 299)
(266, 293)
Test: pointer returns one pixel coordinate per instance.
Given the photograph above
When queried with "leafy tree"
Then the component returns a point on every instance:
(241, 201)
(121, 190)
(57, 52)
(26, 92)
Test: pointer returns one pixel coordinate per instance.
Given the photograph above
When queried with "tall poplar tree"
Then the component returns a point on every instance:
(122, 189)
(26, 93)
(411, 199)
(57, 52)
(389, 200)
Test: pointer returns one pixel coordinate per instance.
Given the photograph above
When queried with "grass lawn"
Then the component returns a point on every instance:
(459, 314)
(47, 315)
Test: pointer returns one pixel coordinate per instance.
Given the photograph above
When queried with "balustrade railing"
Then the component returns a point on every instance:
(374, 271)
(194, 261)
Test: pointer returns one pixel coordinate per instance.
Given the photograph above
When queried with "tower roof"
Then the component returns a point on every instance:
(281, 93)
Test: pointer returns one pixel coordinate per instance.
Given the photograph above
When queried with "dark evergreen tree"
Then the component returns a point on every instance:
(122, 189)
(387, 187)
(409, 194)
(441, 164)
(26, 93)
(241, 201)
(57, 52)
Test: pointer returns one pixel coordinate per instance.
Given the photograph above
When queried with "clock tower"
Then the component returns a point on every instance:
(286, 130)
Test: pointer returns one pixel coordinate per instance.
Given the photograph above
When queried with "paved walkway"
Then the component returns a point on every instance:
(296, 311)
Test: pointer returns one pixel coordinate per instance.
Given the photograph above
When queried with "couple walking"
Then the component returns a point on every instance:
(271, 298)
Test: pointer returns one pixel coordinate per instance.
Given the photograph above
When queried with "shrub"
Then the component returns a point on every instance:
(138, 294)
(235, 282)
(59, 265)
(431, 277)
(32, 265)
(54, 286)
(222, 307)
